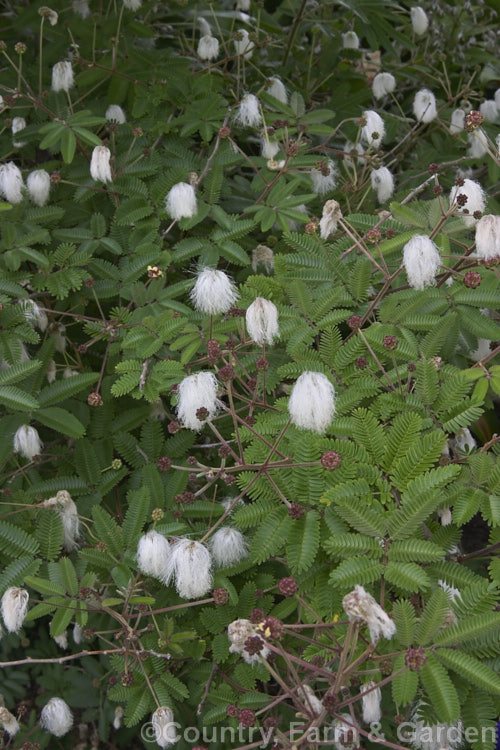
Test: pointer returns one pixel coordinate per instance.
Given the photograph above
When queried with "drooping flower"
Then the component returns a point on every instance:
(419, 20)
(324, 177)
(56, 717)
(51, 371)
(345, 733)
(214, 292)
(445, 516)
(464, 441)
(383, 83)
(373, 131)
(180, 202)
(14, 608)
(81, 8)
(353, 153)
(115, 113)
(34, 315)
(153, 554)
(264, 256)
(489, 110)
(64, 504)
(372, 697)
(262, 321)
(488, 237)
(248, 114)
(312, 402)
(8, 721)
(204, 26)
(350, 40)
(383, 182)
(51, 15)
(62, 76)
(62, 639)
(164, 727)
(424, 106)
(421, 260)
(197, 392)
(11, 182)
(208, 47)
(228, 547)
(242, 44)
(478, 143)
(18, 124)
(190, 567)
(117, 718)
(100, 168)
(27, 442)
(277, 89)
(268, 148)
(474, 200)
(77, 633)
(329, 219)
(38, 184)
(311, 702)
(360, 606)
(132, 4)
(457, 121)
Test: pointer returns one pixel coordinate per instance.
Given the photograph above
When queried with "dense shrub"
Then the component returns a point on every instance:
(249, 368)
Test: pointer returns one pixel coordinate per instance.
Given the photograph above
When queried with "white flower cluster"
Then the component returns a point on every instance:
(360, 606)
(238, 632)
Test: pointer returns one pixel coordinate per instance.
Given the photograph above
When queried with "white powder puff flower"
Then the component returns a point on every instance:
(457, 121)
(445, 516)
(81, 8)
(360, 606)
(277, 89)
(14, 608)
(419, 20)
(383, 83)
(64, 504)
(242, 44)
(164, 727)
(312, 402)
(27, 442)
(489, 110)
(38, 184)
(180, 202)
(345, 733)
(383, 182)
(49, 14)
(100, 168)
(117, 718)
(424, 106)
(372, 697)
(373, 131)
(228, 547)
(77, 633)
(11, 182)
(18, 124)
(353, 153)
(62, 76)
(421, 260)
(350, 40)
(62, 639)
(153, 554)
(238, 632)
(204, 26)
(198, 391)
(325, 178)
(329, 219)
(464, 442)
(488, 237)
(214, 292)
(262, 255)
(312, 703)
(115, 113)
(208, 47)
(51, 371)
(269, 148)
(56, 717)
(132, 4)
(475, 200)
(451, 590)
(243, 5)
(34, 315)
(478, 144)
(190, 566)
(262, 321)
(8, 721)
(248, 114)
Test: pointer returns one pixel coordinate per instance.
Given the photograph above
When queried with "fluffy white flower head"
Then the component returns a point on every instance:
(100, 168)
(180, 202)
(49, 14)
(357, 156)
(277, 89)
(27, 442)
(419, 20)
(56, 717)
(115, 113)
(14, 607)
(350, 40)
(164, 726)
(383, 83)
(62, 76)
(360, 606)
(329, 219)
(243, 45)
(475, 200)
(228, 547)
(208, 47)
(248, 113)
(66, 507)
(268, 147)
(373, 132)
(62, 639)
(488, 237)
(262, 321)
(153, 554)
(38, 184)
(262, 255)
(478, 144)
(238, 632)
(190, 566)
(372, 697)
(463, 441)
(196, 392)
(8, 721)
(424, 106)
(457, 121)
(445, 516)
(214, 292)
(77, 633)
(81, 8)
(312, 703)
(489, 110)
(324, 179)
(421, 260)
(312, 402)
(132, 4)
(18, 124)
(346, 735)
(34, 315)
(383, 183)
(11, 182)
